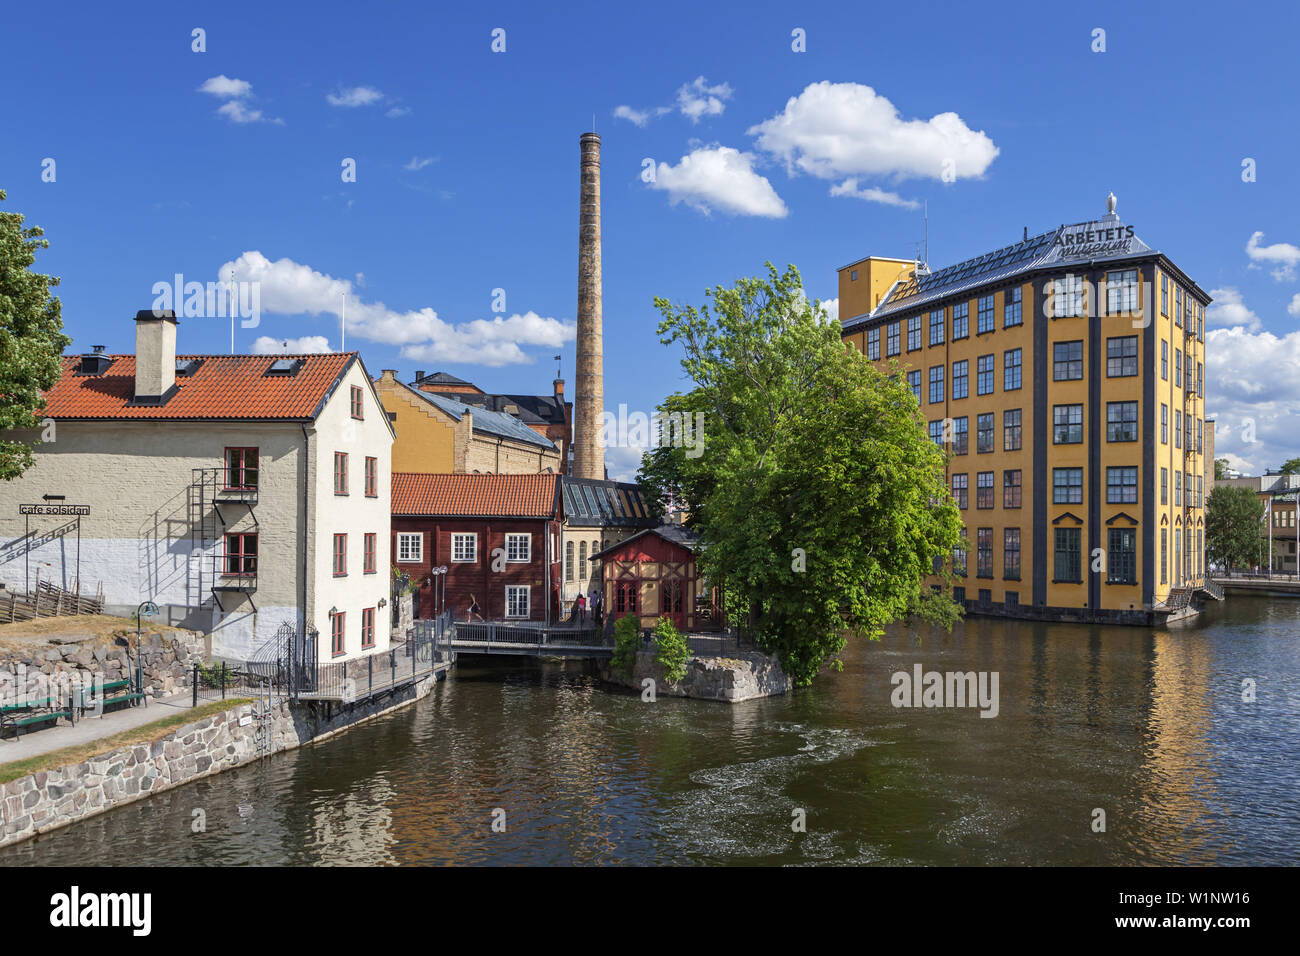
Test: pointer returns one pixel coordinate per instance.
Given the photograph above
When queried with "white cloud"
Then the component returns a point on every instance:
(832, 307)
(871, 194)
(834, 130)
(397, 111)
(354, 96)
(719, 177)
(1281, 254)
(307, 345)
(224, 86)
(419, 162)
(1229, 309)
(1251, 387)
(639, 117)
(237, 112)
(696, 99)
(1294, 308)
(292, 288)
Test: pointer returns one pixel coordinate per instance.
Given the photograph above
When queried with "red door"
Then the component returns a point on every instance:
(670, 591)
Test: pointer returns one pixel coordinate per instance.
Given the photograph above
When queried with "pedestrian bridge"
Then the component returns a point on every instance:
(521, 638)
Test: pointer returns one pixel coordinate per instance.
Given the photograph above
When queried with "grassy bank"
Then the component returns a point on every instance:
(136, 735)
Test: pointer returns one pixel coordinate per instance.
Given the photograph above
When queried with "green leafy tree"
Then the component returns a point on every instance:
(1220, 469)
(31, 338)
(627, 637)
(1290, 467)
(819, 498)
(1232, 531)
(672, 650)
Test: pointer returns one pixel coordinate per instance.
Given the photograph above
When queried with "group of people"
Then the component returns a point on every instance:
(578, 615)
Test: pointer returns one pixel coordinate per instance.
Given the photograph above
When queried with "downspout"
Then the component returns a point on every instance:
(306, 523)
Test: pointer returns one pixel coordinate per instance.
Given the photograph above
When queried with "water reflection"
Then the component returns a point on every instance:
(1147, 725)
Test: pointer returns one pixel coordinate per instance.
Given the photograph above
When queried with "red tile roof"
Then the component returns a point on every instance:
(222, 387)
(485, 496)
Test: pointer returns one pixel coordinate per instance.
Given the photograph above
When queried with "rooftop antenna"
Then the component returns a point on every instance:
(343, 324)
(559, 367)
(927, 235)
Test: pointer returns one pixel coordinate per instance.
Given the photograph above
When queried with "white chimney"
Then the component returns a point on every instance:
(155, 355)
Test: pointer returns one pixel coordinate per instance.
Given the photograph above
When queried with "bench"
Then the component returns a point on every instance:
(17, 723)
(106, 701)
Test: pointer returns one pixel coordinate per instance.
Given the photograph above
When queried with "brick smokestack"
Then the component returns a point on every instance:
(589, 394)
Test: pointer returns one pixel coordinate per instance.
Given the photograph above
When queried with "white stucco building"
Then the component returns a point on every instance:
(237, 492)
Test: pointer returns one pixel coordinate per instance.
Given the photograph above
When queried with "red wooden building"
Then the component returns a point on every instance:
(652, 574)
(497, 535)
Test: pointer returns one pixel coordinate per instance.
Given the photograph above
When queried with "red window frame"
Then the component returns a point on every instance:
(368, 562)
(338, 623)
(372, 477)
(367, 627)
(358, 404)
(340, 473)
(238, 561)
(340, 555)
(241, 470)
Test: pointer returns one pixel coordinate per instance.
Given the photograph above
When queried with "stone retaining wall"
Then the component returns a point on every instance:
(44, 801)
(743, 676)
(76, 661)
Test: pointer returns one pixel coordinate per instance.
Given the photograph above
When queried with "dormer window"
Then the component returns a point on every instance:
(285, 366)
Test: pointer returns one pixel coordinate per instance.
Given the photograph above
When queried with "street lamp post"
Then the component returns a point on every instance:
(144, 607)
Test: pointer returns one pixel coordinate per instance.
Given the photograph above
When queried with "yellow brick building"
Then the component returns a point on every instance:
(1064, 375)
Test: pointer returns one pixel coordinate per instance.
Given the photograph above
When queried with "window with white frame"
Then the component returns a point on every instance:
(464, 547)
(410, 548)
(519, 548)
(1067, 297)
(517, 600)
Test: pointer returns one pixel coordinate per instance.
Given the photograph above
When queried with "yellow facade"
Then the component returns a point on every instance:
(426, 438)
(1106, 391)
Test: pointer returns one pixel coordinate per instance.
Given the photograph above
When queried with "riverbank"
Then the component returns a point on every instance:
(154, 758)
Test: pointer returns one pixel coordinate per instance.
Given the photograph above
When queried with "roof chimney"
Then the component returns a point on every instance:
(155, 356)
(558, 384)
(418, 376)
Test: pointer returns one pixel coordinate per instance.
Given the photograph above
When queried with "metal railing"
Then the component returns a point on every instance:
(534, 634)
(370, 674)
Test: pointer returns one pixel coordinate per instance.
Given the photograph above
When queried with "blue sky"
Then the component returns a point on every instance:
(174, 161)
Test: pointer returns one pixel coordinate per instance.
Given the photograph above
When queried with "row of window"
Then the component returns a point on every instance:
(464, 547)
(1121, 423)
(341, 475)
(1187, 311)
(1067, 554)
(1012, 315)
(338, 631)
(1182, 428)
(1121, 557)
(955, 432)
(241, 472)
(1182, 479)
(341, 555)
(1179, 382)
(239, 557)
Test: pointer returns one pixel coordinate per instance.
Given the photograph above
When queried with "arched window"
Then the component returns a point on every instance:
(582, 561)
(568, 561)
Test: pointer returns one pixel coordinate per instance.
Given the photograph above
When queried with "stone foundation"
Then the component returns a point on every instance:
(47, 800)
(743, 676)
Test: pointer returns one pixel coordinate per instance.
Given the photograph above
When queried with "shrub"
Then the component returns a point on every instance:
(672, 650)
(627, 635)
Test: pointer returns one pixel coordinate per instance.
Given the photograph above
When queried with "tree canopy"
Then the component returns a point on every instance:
(1232, 529)
(820, 500)
(31, 338)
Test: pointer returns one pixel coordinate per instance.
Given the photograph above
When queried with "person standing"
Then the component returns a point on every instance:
(582, 609)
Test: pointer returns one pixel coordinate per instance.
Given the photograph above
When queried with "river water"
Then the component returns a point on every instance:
(1148, 726)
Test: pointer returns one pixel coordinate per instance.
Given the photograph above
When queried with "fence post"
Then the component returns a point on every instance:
(223, 680)
(195, 701)
(370, 666)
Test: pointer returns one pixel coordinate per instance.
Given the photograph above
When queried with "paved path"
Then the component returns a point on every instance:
(35, 742)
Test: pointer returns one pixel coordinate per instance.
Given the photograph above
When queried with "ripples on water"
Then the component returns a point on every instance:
(1146, 725)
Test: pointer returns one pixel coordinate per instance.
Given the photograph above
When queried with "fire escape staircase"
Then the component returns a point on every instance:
(213, 509)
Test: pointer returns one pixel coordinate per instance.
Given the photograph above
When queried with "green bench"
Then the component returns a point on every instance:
(129, 697)
(11, 718)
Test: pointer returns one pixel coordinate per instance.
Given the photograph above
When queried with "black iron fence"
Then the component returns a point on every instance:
(534, 634)
(373, 673)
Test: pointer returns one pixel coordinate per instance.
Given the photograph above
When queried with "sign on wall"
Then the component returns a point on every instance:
(54, 509)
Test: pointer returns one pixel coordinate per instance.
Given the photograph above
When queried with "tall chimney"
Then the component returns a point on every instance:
(155, 356)
(589, 395)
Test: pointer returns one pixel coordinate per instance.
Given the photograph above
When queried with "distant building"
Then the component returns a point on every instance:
(548, 415)
(1279, 530)
(497, 535)
(597, 514)
(439, 434)
(241, 493)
